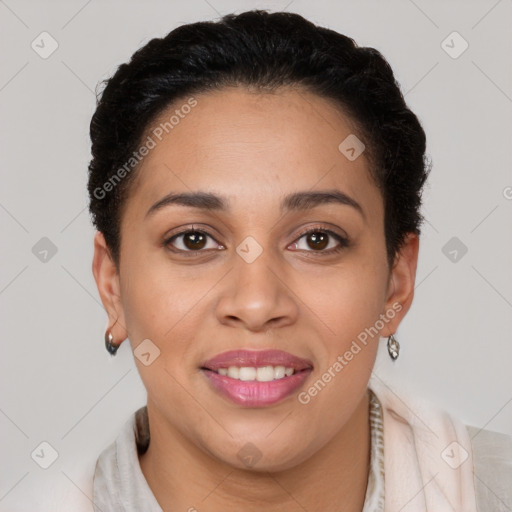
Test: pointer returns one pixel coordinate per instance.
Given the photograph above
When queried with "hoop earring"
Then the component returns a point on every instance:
(111, 348)
(393, 348)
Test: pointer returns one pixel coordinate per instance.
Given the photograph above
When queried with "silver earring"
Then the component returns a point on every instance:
(393, 348)
(111, 348)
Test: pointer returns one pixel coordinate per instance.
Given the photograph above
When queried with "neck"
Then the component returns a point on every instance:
(183, 477)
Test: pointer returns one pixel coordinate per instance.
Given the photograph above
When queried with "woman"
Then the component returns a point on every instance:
(256, 187)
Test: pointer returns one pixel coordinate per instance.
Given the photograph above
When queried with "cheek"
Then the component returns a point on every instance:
(163, 309)
(351, 346)
(165, 305)
(350, 310)
(156, 298)
(349, 305)
(349, 299)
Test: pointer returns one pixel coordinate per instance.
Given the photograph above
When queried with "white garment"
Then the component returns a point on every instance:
(415, 449)
(433, 463)
(119, 485)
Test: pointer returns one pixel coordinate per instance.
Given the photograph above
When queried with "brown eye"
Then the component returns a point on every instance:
(192, 240)
(318, 240)
(321, 240)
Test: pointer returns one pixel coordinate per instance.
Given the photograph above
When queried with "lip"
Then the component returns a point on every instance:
(254, 393)
(257, 358)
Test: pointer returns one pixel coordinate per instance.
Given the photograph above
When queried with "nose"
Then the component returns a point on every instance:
(257, 295)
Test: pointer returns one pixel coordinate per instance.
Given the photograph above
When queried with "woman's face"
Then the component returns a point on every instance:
(251, 280)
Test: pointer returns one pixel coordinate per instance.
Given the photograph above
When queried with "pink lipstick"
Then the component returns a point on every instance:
(256, 378)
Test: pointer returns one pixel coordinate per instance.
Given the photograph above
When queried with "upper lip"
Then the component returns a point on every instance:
(256, 358)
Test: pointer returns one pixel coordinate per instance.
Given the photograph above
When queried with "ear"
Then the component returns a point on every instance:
(401, 284)
(107, 280)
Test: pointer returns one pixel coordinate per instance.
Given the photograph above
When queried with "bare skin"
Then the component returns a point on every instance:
(253, 149)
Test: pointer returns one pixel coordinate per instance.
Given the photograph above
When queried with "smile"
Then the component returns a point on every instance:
(256, 378)
(261, 374)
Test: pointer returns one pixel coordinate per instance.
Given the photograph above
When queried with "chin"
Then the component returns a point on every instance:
(260, 455)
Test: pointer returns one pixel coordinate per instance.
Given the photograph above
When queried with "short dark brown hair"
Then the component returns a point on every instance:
(265, 51)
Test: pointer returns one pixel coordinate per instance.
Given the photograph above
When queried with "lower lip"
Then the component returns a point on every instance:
(253, 393)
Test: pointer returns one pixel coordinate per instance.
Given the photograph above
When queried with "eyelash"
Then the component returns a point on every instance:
(343, 241)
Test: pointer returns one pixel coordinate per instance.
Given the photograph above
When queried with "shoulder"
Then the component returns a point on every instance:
(492, 469)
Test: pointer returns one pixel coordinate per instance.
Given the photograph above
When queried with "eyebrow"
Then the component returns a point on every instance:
(295, 201)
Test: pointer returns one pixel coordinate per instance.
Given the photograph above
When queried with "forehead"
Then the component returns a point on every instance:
(250, 147)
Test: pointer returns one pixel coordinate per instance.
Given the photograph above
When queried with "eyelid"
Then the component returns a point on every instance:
(188, 229)
(343, 240)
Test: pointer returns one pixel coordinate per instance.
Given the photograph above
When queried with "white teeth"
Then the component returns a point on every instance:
(261, 374)
(265, 374)
(233, 372)
(247, 373)
(280, 372)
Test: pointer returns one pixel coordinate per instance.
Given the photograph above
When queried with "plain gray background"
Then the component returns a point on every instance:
(58, 383)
